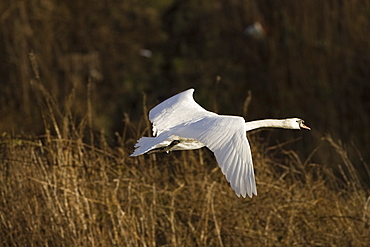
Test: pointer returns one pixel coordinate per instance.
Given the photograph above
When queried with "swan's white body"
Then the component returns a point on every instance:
(179, 123)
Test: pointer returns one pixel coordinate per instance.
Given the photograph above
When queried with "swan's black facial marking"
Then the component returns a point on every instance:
(302, 125)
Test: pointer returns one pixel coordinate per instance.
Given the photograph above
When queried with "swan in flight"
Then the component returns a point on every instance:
(179, 123)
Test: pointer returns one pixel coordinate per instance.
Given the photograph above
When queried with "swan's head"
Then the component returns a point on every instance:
(296, 123)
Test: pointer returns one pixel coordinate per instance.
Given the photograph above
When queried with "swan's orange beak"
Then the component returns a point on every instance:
(303, 126)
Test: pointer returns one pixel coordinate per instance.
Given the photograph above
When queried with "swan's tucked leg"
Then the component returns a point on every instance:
(165, 148)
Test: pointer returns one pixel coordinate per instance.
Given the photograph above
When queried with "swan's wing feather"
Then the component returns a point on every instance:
(178, 109)
(226, 137)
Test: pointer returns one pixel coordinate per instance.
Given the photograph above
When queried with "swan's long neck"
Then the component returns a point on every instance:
(267, 123)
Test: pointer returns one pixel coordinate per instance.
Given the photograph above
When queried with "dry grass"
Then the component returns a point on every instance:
(60, 191)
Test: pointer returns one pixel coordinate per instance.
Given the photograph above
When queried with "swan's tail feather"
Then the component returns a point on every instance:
(145, 144)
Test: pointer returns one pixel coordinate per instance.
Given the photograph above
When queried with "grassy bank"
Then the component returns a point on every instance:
(63, 192)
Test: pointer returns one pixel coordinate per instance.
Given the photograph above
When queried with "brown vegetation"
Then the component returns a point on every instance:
(63, 192)
(72, 107)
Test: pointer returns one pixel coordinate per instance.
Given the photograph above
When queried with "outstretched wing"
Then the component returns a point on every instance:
(226, 137)
(178, 109)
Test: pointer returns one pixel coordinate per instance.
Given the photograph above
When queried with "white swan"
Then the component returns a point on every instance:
(179, 123)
